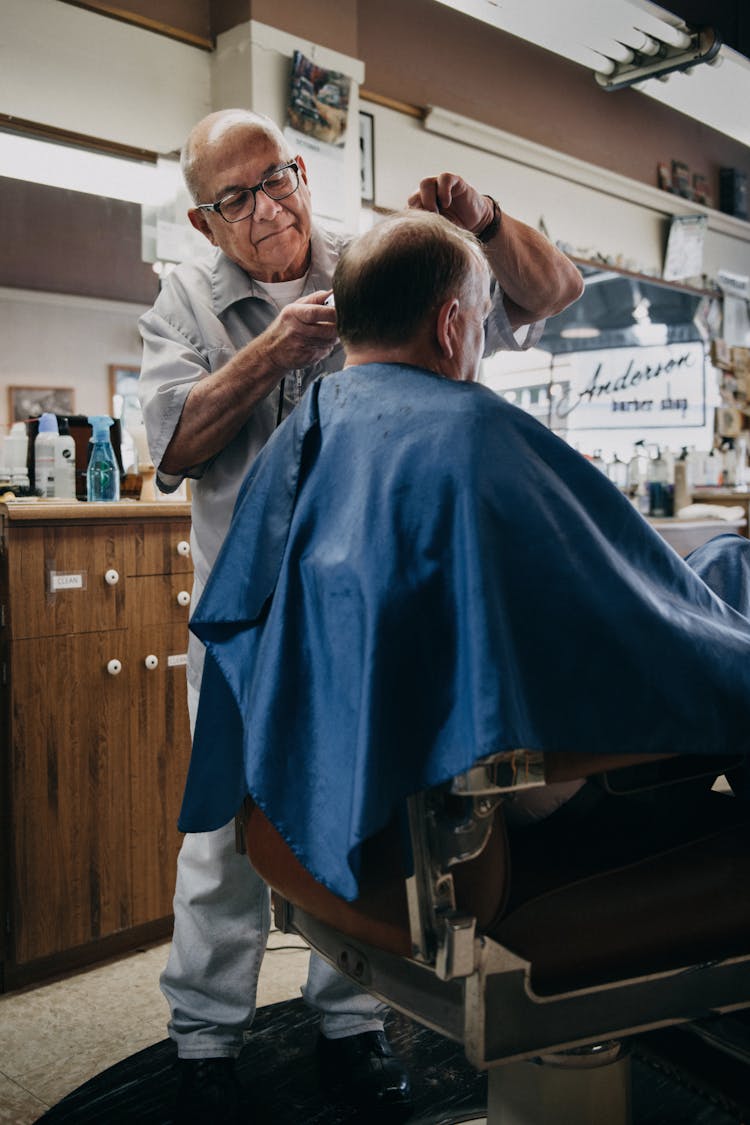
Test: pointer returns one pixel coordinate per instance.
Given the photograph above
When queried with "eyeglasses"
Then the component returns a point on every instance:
(240, 204)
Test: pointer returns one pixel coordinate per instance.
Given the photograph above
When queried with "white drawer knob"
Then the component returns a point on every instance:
(111, 577)
(183, 598)
(114, 667)
(151, 662)
(183, 548)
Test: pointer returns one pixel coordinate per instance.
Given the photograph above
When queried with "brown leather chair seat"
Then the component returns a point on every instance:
(571, 907)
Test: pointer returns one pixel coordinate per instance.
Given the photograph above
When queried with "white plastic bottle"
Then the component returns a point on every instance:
(44, 455)
(16, 454)
(65, 463)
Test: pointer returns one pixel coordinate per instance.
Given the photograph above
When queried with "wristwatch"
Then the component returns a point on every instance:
(493, 225)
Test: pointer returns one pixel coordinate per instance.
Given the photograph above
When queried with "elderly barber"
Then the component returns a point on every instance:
(230, 345)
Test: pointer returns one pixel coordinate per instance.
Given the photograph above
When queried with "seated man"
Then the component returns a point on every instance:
(419, 574)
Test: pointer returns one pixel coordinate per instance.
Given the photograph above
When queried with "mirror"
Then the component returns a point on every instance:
(628, 362)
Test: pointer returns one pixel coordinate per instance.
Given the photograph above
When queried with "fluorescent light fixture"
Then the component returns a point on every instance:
(64, 166)
(701, 47)
(580, 332)
(593, 34)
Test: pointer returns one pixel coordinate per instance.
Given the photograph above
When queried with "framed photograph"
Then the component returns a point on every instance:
(367, 157)
(123, 389)
(32, 402)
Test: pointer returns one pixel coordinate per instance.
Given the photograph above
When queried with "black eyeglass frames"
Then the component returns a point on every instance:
(240, 204)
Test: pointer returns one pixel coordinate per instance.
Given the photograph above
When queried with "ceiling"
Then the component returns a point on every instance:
(730, 17)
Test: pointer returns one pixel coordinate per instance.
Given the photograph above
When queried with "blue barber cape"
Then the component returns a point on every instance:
(418, 574)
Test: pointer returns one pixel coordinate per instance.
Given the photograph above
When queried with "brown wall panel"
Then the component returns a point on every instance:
(69, 242)
(332, 23)
(463, 65)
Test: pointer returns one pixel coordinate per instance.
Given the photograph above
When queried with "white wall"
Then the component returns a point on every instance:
(590, 210)
(52, 340)
(76, 70)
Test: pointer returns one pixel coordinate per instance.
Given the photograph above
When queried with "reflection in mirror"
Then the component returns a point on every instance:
(627, 363)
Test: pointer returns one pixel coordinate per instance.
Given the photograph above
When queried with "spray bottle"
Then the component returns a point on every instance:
(102, 475)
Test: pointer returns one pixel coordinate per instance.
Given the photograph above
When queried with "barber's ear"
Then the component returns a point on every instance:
(200, 222)
(302, 169)
(446, 326)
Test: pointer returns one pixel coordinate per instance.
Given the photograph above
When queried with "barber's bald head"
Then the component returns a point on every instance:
(207, 137)
(400, 287)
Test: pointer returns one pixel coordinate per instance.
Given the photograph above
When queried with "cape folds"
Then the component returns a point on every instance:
(418, 574)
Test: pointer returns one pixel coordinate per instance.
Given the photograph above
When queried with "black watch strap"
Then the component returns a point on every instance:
(493, 226)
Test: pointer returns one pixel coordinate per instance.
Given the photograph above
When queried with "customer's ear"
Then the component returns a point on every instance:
(445, 327)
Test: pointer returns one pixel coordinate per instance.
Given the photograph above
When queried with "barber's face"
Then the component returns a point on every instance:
(473, 311)
(274, 243)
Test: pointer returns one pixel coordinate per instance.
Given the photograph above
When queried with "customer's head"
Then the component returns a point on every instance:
(414, 289)
(265, 230)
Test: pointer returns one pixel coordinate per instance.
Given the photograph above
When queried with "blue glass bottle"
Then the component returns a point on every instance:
(102, 474)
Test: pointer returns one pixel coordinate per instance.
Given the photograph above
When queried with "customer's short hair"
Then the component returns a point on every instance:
(388, 280)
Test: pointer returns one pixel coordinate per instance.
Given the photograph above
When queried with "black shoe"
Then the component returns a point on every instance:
(208, 1092)
(366, 1072)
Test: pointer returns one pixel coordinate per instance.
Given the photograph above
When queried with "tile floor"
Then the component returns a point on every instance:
(55, 1036)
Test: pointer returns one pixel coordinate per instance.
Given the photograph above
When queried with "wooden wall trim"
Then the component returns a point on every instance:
(144, 22)
(393, 103)
(11, 124)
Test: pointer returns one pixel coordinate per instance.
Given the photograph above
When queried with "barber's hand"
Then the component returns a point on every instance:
(451, 196)
(303, 332)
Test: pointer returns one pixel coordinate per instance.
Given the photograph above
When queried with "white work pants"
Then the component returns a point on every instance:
(222, 916)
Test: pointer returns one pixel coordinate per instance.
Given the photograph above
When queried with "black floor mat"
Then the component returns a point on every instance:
(277, 1070)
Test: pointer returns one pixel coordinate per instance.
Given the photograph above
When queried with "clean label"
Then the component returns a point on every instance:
(65, 581)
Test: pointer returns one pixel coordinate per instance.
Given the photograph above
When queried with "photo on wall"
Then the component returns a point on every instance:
(32, 402)
(316, 130)
(318, 101)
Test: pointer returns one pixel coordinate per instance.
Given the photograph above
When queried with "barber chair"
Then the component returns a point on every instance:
(541, 958)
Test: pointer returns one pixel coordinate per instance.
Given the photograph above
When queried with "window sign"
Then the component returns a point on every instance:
(649, 388)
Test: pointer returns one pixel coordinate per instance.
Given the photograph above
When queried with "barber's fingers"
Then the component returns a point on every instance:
(304, 331)
(436, 193)
(313, 314)
(319, 297)
(450, 195)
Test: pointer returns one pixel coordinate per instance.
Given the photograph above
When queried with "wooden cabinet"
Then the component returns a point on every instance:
(94, 604)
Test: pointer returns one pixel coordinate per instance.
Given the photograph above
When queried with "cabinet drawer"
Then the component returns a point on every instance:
(162, 548)
(64, 580)
(159, 599)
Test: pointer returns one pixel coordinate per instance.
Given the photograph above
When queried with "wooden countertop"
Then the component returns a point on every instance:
(38, 510)
(720, 494)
